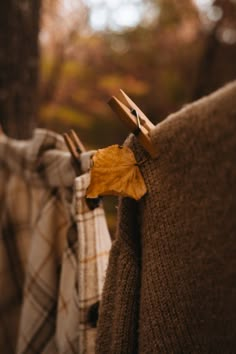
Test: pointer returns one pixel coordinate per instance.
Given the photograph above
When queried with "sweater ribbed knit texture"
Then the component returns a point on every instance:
(171, 280)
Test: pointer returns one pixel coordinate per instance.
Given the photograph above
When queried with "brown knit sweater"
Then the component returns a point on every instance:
(171, 281)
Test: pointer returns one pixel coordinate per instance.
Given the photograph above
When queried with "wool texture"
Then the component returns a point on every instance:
(171, 279)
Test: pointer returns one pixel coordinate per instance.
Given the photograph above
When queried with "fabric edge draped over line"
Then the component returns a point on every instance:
(41, 247)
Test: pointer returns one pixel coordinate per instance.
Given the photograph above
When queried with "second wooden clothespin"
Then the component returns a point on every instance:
(74, 144)
(135, 120)
(76, 148)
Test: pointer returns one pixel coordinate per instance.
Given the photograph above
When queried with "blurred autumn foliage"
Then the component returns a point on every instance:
(177, 52)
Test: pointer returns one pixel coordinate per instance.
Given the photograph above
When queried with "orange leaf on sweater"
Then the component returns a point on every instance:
(115, 172)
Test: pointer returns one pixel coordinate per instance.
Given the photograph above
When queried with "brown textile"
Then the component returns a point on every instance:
(171, 281)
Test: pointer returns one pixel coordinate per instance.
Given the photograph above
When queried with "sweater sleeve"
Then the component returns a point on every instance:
(118, 318)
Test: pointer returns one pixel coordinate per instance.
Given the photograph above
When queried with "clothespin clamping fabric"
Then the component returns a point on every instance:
(78, 151)
(81, 158)
(74, 144)
(135, 120)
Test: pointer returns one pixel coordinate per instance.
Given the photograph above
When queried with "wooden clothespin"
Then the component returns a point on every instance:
(76, 147)
(74, 144)
(135, 120)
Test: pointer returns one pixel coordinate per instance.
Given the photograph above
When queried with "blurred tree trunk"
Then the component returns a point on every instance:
(19, 64)
(217, 65)
(205, 64)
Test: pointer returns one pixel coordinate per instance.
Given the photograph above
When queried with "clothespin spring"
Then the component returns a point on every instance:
(138, 129)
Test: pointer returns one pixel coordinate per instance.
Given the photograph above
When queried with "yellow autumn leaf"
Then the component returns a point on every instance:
(115, 172)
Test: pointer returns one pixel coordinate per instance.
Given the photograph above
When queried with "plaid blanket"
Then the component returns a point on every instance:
(14, 244)
(43, 161)
(40, 271)
(83, 272)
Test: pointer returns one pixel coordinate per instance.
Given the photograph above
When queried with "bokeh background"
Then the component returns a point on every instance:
(163, 53)
(61, 60)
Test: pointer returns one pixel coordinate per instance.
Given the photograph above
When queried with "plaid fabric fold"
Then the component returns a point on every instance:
(39, 311)
(43, 160)
(15, 235)
(34, 201)
(83, 272)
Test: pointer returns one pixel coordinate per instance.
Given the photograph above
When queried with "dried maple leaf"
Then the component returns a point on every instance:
(115, 172)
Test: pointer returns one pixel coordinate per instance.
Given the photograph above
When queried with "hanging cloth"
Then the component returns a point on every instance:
(83, 274)
(50, 284)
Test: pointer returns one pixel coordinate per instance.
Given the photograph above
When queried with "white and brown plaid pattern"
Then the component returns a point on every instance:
(83, 272)
(42, 161)
(14, 244)
(33, 178)
(38, 247)
(39, 311)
